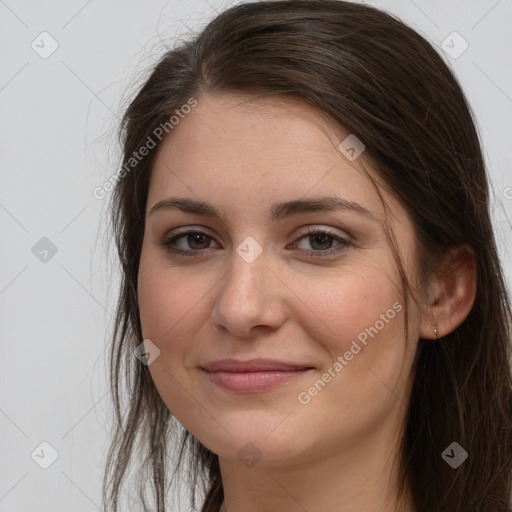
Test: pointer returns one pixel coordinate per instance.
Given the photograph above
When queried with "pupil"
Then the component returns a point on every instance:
(322, 238)
(196, 238)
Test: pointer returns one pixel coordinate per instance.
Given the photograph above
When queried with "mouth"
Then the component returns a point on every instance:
(252, 376)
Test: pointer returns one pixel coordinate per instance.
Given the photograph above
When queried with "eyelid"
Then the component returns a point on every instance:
(186, 229)
(343, 241)
(327, 230)
(182, 233)
(310, 229)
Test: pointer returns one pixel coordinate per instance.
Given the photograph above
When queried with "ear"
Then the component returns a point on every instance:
(452, 293)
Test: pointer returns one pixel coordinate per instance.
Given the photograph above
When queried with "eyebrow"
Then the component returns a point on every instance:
(278, 210)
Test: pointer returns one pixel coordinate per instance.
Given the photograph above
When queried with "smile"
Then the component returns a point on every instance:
(254, 375)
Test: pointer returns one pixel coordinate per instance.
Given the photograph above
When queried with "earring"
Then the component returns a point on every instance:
(435, 331)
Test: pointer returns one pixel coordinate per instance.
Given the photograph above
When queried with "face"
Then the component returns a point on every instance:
(268, 272)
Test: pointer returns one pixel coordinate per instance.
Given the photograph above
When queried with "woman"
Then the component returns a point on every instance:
(311, 286)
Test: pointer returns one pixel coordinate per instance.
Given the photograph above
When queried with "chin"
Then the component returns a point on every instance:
(254, 442)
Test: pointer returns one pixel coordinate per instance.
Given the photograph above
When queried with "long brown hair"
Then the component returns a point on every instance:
(386, 84)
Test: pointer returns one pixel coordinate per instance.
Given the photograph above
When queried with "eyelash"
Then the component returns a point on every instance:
(311, 231)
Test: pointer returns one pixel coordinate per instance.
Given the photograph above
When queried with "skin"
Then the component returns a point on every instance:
(338, 452)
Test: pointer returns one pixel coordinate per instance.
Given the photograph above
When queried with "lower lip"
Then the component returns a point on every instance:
(253, 381)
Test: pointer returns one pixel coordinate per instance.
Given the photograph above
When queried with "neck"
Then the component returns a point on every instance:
(358, 478)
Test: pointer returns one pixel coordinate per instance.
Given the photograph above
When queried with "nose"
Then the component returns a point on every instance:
(250, 298)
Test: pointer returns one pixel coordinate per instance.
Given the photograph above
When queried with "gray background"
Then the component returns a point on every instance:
(57, 143)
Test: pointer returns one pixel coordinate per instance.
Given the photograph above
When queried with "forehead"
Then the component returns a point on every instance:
(244, 123)
(244, 153)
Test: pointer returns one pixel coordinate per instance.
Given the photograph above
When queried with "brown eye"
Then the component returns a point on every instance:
(321, 243)
(198, 240)
(192, 243)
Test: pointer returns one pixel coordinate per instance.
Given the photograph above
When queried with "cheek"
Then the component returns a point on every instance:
(358, 320)
(327, 310)
(346, 305)
(166, 299)
(168, 306)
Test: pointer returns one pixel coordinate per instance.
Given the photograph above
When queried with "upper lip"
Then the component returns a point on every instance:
(253, 365)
